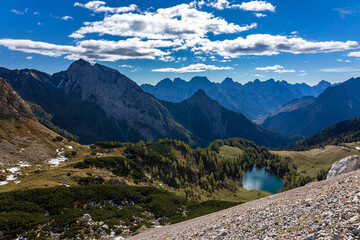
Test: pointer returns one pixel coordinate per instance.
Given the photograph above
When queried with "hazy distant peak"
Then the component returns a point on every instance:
(200, 79)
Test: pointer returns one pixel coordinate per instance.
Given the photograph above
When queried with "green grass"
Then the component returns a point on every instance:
(230, 152)
(311, 162)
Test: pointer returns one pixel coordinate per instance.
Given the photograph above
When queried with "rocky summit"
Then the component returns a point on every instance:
(328, 209)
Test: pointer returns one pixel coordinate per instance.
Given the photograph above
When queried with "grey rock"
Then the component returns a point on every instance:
(86, 219)
(345, 165)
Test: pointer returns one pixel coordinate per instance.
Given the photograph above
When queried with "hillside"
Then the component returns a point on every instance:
(335, 104)
(342, 132)
(309, 212)
(293, 105)
(312, 162)
(254, 99)
(23, 140)
(208, 120)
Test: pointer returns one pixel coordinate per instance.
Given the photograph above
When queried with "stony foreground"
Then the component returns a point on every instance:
(328, 209)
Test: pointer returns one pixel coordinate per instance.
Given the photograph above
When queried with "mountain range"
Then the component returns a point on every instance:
(254, 99)
(335, 104)
(98, 103)
(207, 119)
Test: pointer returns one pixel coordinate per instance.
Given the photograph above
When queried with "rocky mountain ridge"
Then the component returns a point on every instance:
(254, 99)
(97, 103)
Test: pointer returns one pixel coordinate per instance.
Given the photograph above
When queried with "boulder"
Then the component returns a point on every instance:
(86, 219)
(345, 165)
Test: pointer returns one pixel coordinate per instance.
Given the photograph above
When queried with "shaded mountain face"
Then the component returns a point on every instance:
(293, 105)
(254, 99)
(342, 132)
(96, 103)
(208, 120)
(335, 104)
(11, 104)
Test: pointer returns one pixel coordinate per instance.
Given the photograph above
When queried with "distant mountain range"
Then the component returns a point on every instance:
(254, 99)
(98, 103)
(335, 104)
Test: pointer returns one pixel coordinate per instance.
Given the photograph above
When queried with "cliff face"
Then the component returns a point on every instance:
(119, 97)
(11, 104)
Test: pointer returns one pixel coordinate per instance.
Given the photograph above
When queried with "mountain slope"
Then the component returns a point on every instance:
(208, 120)
(294, 104)
(11, 104)
(22, 138)
(335, 104)
(301, 213)
(96, 103)
(342, 132)
(254, 99)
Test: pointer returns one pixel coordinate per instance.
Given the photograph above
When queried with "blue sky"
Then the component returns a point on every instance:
(298, 41)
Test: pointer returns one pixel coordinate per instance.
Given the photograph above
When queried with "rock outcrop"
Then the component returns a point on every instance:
(345, 165)
(12, 106)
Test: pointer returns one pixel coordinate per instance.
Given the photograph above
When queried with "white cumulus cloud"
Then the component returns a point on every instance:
(66, 18)
(276, 69)
(199, 67)
(99, 6)
(181, 21)
(260, 15)
(266, 44)
(102, 50)
(354, 54)
(256, 6)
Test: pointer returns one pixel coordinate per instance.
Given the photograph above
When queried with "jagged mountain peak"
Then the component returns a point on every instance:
(200, 80)
(80, 62)
(199, 97)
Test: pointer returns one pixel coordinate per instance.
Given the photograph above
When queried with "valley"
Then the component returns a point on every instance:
(200, 171)
(174, 120)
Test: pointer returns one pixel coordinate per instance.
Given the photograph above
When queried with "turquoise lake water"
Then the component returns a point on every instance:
(259, 179)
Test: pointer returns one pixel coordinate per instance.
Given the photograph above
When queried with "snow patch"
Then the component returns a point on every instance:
(24, 164)
(10, 178)
(13, 169)
(61, 158)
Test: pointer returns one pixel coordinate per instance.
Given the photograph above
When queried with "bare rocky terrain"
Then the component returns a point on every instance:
(328, 209)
